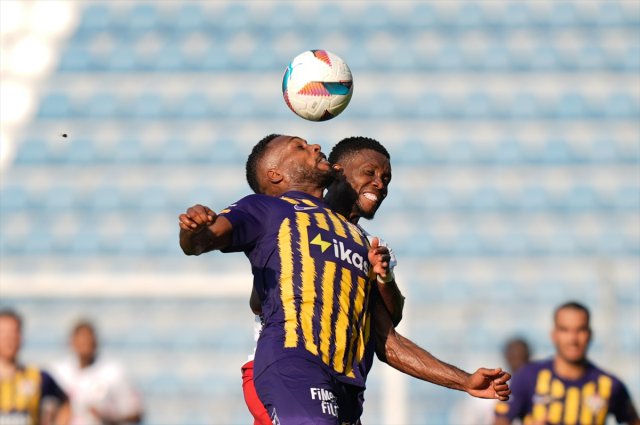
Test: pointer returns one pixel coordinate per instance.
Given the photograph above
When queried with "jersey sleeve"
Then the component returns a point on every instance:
(516, 407)
(249, 218)
(620, 404)
(51, 389)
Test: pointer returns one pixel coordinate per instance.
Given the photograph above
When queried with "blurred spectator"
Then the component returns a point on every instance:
(476, 411)
(98, 388)
(517, 354)
(567, 389)
(27, 394)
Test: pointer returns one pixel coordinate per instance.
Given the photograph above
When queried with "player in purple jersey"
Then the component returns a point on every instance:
(567, 389)
(316, 278)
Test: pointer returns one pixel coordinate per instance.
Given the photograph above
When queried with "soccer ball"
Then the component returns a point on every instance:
(317, 85)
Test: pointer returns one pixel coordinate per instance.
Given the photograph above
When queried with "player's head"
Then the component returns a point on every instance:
(364, 173)
(572, 332)
(84, 341)
(10, 334)
(279, 162)
(517, 354)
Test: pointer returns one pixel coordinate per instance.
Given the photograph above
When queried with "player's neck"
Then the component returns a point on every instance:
(86, 361)
(7, 369)
(308, 189)
(569, 370)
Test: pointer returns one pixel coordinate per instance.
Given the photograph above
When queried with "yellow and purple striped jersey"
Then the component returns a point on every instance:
(311, 270)
(538, 394)
(22, 396)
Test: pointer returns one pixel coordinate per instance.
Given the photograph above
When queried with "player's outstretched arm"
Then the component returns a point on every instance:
(201, 230)
(379, 257)
(403, 355)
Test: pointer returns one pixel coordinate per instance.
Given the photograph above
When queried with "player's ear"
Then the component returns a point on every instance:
(274, 176)
(339, 171)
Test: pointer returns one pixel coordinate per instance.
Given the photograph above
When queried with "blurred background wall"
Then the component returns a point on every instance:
(514, 134)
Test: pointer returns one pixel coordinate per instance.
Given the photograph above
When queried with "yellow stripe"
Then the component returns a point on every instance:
(337, 224)
(364, 328)
(289, 200)
(286, 285)
(6, 390)
(308, 283)
(224, 211)
(571, 406)
(321, 219)
(33, 374)
(328, 277)
(308, 202)
(20, 402)
(555, 412)
(586, 415)
(544, 378)
(555, 409)
(604, 390)
(355, 234)
(355, 335)
(343, 321)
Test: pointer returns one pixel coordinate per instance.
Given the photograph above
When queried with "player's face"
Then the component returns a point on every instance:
(571, 334)
(367, 175)
(84, 342)
(301, 161)
(10, 338)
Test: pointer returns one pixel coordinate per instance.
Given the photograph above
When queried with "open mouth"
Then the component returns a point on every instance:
(322, 159)
(371, 197)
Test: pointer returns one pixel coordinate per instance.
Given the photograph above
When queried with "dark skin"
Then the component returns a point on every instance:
(202, 231)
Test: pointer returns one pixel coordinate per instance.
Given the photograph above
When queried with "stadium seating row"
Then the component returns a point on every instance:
(545, 58)
(411, 152)
(192, 17)
(383, 105)
(111, 197)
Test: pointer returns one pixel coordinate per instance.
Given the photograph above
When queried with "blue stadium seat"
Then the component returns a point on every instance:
(32, 151)
(450, 58)
(534, 198)
(413, 152)
(563, 14)
(544, 58)
(477, 106)
(283, 17)
(190, 18)
(148, 105)
(101, 105)
(431, 105)
(153, 198)
(235, 17)
(195, 106)
(59, 197)
(13, 198)
(330, 16)
(632, 59)
(106, 198)
(123, 59)
(470, 15)
(86, 242)
(374, 17)
(581, 198)
(175, 151)
(621, 106)
(142, 17)
(572, 106)
(557, 152)
(422, 16)
(508, 152)
(216, 59)
(74, 60)
(169, 59)
(610, 14)
(54, 105)
(38, 241)
(80, 151)
(516, 15)
(486, 199)
(591, 58)
(128, 150)
(628, 198)
(96, 17)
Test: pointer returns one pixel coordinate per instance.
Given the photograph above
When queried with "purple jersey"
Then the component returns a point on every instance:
(538, 393)
(311, 270)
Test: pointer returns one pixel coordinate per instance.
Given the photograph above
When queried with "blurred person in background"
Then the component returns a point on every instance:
(98, 388)
(477, 411)
(567, 389)
(28, 395)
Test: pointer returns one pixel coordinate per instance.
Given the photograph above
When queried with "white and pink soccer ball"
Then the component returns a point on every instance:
(317, 85)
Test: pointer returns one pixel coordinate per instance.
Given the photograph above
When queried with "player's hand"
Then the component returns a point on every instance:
(197, 218)
(489, 383)
(379, 258)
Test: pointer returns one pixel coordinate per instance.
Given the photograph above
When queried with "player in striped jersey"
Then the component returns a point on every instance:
(567, 389)
(28, 395)
(316, 277)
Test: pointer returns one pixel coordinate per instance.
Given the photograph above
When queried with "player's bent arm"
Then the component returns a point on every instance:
(405, 356)
(393, 299)
(254, 302)
(217, 236)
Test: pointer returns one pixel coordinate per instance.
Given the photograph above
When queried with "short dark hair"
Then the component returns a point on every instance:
(347, 147)
(7, 312)
(255, 156)
(573, 305)
(83, 324)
